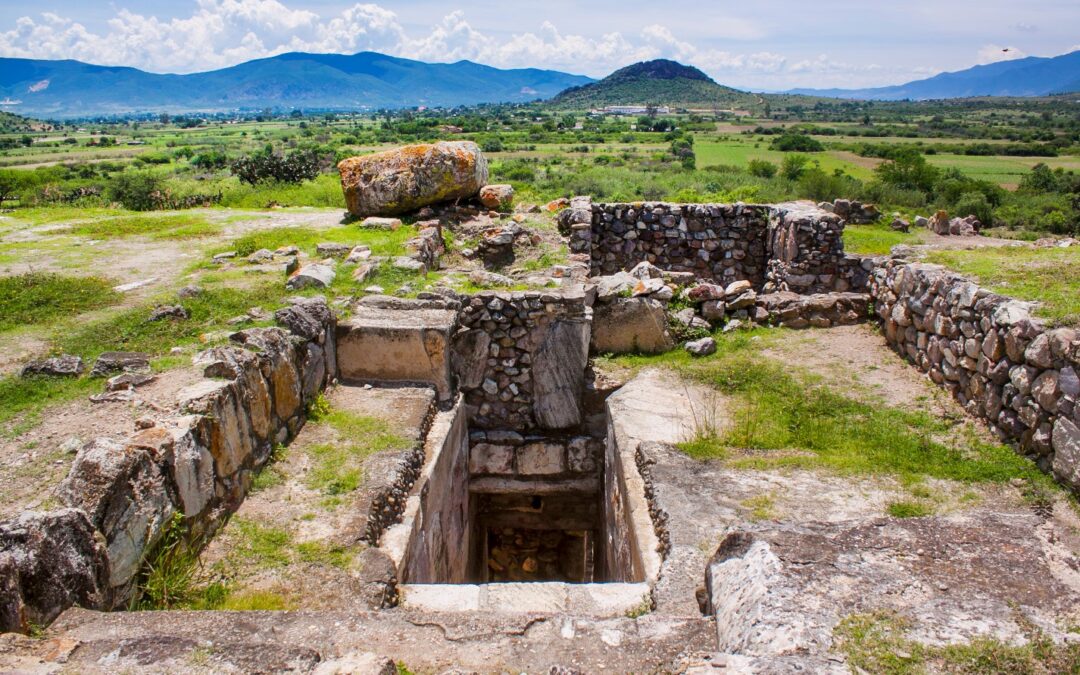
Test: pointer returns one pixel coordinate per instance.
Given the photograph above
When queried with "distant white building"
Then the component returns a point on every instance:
(634, 110)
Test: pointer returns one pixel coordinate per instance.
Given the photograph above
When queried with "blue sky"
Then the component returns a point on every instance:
(767, 44)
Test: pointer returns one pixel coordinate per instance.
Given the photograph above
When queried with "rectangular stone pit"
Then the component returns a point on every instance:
(510, 522)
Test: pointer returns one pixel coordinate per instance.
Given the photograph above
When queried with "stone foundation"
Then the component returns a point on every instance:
(999, 362)
(190, 471)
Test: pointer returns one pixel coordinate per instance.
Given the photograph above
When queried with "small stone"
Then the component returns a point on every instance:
(377, 223)
(188, 292)
(311, 276)
(65, 365)
(173, 312)
(702, 347)
(332, 250)
(263, 255)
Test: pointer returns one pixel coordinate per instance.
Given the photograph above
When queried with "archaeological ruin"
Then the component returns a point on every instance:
(541, 505)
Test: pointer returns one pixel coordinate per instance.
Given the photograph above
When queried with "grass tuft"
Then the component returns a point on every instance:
(38, 297)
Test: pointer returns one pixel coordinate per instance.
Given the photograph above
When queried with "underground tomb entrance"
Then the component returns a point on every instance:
(511, 522)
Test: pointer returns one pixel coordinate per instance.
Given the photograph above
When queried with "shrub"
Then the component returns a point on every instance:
(138, 191)
(761, 168)
(793, 166)
(797, 143)
(974, 204)
(296, 167)
(908, 170)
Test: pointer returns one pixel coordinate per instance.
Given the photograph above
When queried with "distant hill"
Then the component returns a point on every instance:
(1031, 76)
(294, 80)
(11, 123)
(659, 82)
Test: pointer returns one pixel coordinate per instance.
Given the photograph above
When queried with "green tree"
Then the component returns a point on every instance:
(794, 166)
(908, 169)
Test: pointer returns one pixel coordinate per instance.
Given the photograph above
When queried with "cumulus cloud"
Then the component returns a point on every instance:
(221, 33)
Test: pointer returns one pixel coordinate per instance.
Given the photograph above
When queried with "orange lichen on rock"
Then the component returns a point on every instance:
(399, 181)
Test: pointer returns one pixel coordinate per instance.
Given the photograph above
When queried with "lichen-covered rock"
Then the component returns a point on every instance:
(497, 196)
(64, 365)
(403, 180)
(49, 562)
(123, 491)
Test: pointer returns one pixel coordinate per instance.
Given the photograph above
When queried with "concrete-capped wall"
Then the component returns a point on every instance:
(123, 495)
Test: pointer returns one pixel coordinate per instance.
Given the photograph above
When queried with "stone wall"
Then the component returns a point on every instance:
(788, 247)
(806, 252)
(520, 359)
(440, 535)
(987, 350)
(508, 454)
(194, 469)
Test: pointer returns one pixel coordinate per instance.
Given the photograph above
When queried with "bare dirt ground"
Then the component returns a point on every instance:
(159, 265)
(34, 462)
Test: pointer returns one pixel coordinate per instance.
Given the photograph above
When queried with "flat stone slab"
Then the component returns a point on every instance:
(603, 600)
(93, 642)
(397, 344)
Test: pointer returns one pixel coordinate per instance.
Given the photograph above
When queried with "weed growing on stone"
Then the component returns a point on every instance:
(169, 578)
(909, 509)
(762, 507)
(877, 642)
(640, 609)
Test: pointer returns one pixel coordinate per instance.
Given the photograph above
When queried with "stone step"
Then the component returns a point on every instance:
(393, 340)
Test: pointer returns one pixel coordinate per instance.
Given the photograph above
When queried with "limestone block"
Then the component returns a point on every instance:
(489, 458)
(541, 459)
(123, 492)
(397, 344)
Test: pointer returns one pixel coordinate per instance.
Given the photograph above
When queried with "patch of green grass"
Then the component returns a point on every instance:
(337, 466)
(46, 215)
(257, 601)
(323, 554)
(39, 297)
(155, 225)
(875, 239)
(782, 419)
(261, 545)
(909, 509)
(1050, 276)
(762, 507)
(877, 642)
(382, 242)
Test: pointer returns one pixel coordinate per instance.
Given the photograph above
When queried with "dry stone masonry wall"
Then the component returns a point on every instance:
(520, 359)
(788, 247)
(122, 496)
(988, 351)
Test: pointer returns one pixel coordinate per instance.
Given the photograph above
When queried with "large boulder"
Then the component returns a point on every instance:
(630, 325)
(406, 179)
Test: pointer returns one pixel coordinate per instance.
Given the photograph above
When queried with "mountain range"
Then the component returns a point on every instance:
(369, 80)
(296, 80)
(1030, 76)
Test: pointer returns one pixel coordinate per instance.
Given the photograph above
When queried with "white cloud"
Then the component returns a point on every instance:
(995, 53)
(220, 33)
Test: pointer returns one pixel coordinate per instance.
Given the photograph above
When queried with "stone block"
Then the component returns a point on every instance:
(489, 458)
(541, 459)
(397, 344)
